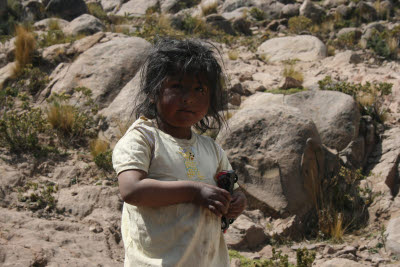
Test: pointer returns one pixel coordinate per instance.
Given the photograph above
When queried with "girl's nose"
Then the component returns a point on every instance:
(188, 96)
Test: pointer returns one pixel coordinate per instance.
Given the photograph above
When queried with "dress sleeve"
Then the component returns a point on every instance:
(133, 151)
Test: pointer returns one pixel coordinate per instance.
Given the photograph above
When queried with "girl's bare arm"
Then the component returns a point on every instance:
(136, 189)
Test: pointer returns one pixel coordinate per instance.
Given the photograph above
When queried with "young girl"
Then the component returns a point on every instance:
(166, 172)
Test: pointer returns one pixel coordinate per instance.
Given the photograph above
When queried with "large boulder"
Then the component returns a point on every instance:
(312, 11)
(302, 47)
(335, 114)
(105, 69)
(84, 24)
(393, 236)
(67, 9)
(277, 153)
(135, 8)
(231, 5)
(33, 10)
(272, 9)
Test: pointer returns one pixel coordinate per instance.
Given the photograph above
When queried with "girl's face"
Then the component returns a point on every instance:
(184, 101)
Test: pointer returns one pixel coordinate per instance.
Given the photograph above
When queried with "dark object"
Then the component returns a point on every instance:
(67, 9)
(226, 180)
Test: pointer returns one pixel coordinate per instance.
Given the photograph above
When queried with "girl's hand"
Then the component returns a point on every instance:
(213, 198)
(237, 205)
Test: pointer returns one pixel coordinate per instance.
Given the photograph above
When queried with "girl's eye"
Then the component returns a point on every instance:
(200, 89)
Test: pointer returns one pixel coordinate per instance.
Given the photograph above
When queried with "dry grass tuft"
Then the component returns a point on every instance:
(24, 47)
(98, 146)
(209, 8)
(233, 54)
(289, 70)
(61, 117)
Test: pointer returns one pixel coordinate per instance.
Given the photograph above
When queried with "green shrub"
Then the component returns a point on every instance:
(20, 132)
(257, 14)
(305, 257)
(101, 154)
(30, 79)
(299, 24)
(346, 41)
(379, 45)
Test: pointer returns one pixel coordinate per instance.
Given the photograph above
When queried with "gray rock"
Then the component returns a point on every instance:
(174, 6)
(84, 24)
(66, 9)
(268, 157)
(393, 236)
(231, 5)
(245, 234)
(241, 25)
(43, 25)
(110, 5)
(338, 262)
(337, 125)
(271, 8)
(312, 11)
(344, 11)
(221, 23)
(289, 83)
(290, 10)
(302, 47)
(367, 11)
(105, 69)
(33, 10)
(334, 3)
(135, 8)
(235, 14)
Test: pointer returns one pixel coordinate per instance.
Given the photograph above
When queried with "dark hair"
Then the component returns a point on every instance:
(170, 57)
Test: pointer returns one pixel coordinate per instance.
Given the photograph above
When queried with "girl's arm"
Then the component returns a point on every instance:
(137, 190)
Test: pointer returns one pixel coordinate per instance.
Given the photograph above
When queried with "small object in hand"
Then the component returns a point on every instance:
(226, 180)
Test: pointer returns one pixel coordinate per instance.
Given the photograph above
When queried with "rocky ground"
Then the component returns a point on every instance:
(64, 209)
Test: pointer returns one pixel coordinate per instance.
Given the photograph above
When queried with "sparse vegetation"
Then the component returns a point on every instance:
(384, 44)
(41, 197)
(257, 13)
(101, 154)
(96, 10)
(339, 205)
(20, 131)
(286, 92)
(72, 125)
(305, 258)
(289, 70)
(369, 96)
(299, 24)
(346, 41)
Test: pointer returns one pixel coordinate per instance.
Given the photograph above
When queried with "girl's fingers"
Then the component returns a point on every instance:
(214, 210)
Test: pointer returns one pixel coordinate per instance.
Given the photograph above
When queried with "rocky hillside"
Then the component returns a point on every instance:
(313, 114)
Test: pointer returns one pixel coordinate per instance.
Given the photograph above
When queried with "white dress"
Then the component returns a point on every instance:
(176, 235)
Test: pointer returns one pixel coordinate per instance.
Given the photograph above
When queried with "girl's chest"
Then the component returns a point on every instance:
(172, 161)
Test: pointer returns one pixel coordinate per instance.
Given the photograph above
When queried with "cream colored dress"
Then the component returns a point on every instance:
(175, 235)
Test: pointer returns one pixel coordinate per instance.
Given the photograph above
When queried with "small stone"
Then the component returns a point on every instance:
(328, 250)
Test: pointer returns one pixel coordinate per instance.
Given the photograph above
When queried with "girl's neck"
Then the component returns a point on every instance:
(177, 132)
